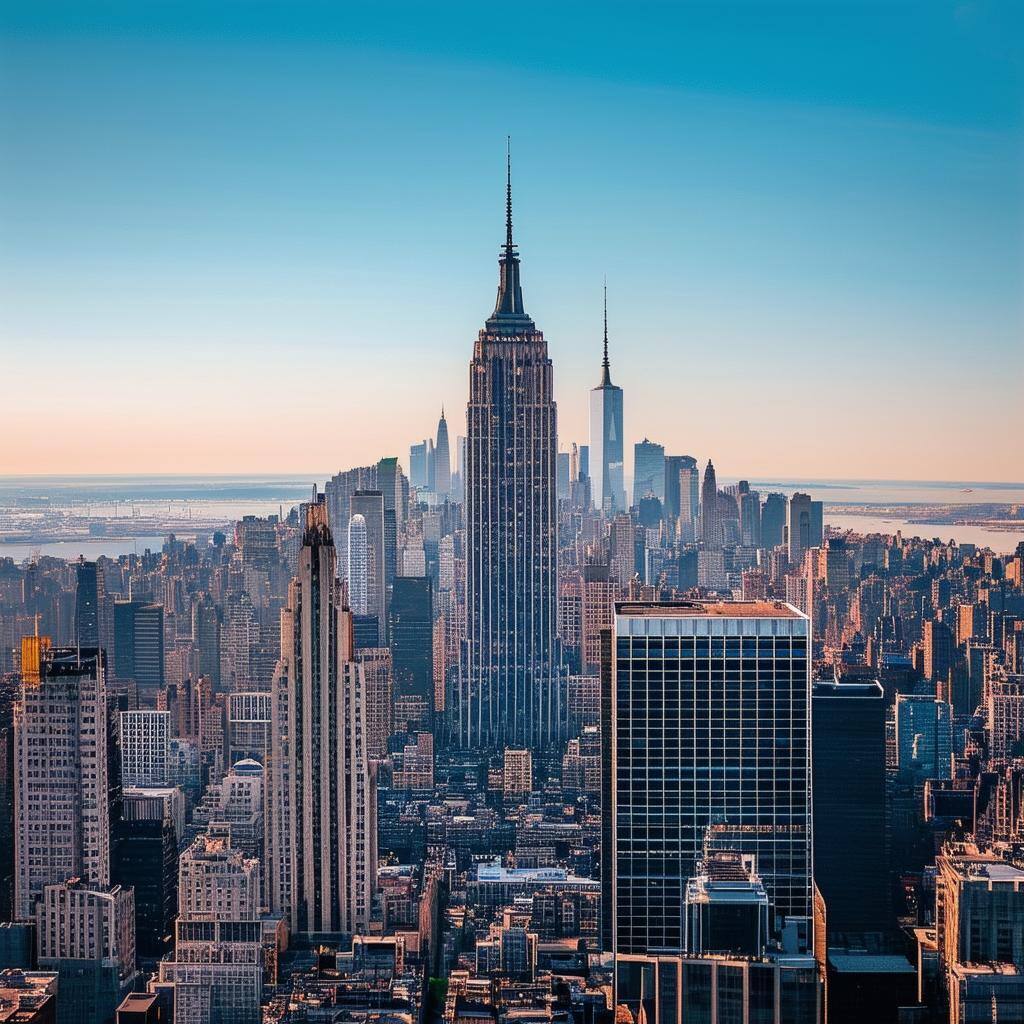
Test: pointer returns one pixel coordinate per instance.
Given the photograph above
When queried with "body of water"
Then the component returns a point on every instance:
(215, 501)
(1002, 542)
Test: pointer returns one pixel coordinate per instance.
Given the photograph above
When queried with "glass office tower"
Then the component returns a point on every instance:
(707, 707)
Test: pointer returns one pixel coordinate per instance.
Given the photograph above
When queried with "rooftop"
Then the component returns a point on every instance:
(870, 963)
(708, 609)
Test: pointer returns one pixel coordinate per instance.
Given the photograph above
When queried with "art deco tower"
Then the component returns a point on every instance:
(442, 460)
(606, 449)
(510, 695)
(321, 831)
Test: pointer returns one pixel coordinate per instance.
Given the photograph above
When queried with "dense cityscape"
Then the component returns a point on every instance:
(480, 738)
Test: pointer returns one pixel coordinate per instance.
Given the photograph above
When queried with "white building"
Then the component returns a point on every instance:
(145, 748)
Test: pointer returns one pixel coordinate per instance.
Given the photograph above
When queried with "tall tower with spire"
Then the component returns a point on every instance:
(509, 696)
(442, 459)
(607, 483)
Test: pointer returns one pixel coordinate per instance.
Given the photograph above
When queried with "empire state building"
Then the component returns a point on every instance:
(510, 695)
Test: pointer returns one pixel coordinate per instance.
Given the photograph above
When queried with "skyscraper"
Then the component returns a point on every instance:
(648, 470)
(606, 443)
(90, 592)
(139, 644)
(412, 638)
(773, 521)
(510, 696)
(848, 725)
(370, 505)
(710, 511)
(320, 817)
(800, 529)
(62, 821)
(442, 460)
(709, 733)
(358, 567)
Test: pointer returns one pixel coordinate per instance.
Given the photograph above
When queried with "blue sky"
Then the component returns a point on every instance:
(262, 237)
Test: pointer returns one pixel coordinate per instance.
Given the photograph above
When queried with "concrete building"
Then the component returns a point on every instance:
(61, 812)
(321, 833)
(86, 934)
(217, 970)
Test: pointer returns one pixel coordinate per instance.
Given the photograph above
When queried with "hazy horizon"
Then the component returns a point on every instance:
(235, 233)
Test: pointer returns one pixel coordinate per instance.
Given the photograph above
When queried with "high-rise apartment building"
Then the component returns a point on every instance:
(321, 837)
(510, 694)
(358, 566)
(606, 465)
(369, 506)
(708, 730)
(61, 809)
(86, 933)
(217, 970)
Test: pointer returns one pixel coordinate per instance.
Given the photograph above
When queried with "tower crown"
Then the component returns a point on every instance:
(509, 316)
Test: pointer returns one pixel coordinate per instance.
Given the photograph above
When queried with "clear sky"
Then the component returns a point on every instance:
(255, 237)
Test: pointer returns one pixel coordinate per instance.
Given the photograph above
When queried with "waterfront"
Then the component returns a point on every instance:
(54, 516)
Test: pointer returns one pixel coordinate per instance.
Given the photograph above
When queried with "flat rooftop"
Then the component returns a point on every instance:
(708, 609)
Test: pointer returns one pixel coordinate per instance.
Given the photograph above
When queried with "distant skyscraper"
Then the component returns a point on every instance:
(773, 521)
(321, 816)
(89, 600)
(710, 511)
(370, 505)
(750, 516)
(418, 465)
(801, 533)
(511, 696)
(648, 470)
(442, 460)
(606, 464)
(62, 819)
(358, 566)
(139, 644)
(412, 638)
(709, 733)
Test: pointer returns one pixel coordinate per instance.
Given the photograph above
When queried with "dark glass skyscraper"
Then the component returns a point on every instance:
(412, 637)
(707, 709)
(849, 804)
(510, 697)
(89, 593)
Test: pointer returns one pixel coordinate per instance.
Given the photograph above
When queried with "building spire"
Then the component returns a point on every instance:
(509, 316)
(606, 373)
(508, 196)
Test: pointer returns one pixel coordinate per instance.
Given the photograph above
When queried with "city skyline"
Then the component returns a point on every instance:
(776, 228)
